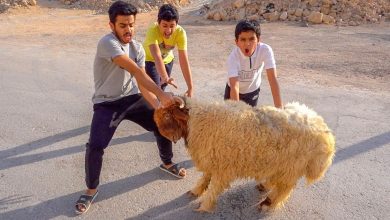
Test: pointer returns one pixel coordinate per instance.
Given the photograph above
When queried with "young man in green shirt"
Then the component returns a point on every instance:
(161, 38)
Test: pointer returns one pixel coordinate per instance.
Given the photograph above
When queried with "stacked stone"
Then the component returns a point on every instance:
(6, 4)
(101, 6)
(347, 12)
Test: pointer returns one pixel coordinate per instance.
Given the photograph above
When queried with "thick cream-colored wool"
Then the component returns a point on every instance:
(231, 140)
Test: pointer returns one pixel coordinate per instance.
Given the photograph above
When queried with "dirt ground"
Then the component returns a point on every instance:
(330, 55)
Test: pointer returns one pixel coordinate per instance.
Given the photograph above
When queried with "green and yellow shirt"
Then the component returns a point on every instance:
(154, 36)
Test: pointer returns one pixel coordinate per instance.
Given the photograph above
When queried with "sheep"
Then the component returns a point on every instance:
(230, 140)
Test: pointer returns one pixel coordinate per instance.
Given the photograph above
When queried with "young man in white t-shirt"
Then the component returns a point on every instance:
(246, 63)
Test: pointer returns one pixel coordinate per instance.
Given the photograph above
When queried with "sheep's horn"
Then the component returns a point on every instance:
(179, 100)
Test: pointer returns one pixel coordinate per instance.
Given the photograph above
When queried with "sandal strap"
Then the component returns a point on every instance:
(85, 200)
(175, 168)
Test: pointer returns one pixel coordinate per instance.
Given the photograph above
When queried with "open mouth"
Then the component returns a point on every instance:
(246, 51)
(127, 37)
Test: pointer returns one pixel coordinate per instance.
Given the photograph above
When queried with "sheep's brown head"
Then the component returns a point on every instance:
(172, 120)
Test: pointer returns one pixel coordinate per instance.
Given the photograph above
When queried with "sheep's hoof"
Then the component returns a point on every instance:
(265, 205)
(203, 210)
(192, 194)
(261, 188)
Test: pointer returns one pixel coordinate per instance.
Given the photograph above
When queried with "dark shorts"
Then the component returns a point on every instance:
(106, 118)
(249, 98)
(151, 70)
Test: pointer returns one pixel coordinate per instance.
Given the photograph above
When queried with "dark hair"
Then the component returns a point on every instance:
(121, 8)
(168, 13)
(248, 25)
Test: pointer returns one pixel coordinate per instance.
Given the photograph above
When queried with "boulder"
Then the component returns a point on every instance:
(315, 17)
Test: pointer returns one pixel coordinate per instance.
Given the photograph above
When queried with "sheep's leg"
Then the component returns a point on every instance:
(201, 185)
(209, 198)
(277, 196)
(263, 186)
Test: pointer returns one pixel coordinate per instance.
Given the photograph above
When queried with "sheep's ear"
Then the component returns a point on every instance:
(180, 114)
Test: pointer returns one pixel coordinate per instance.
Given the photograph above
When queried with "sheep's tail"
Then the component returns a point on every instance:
(321, 161)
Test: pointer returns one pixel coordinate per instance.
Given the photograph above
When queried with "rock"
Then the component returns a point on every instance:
(328, 19)
(32, 2)
(266, 15)
(283, 16)
(254, 17)
(252, 11)
(292, 18)
(327, 2)
(333, 14)
(313, 3)
(4, 7)
(210, 15)
(346, 15)
(315, 17)
(238, 3)
(23, 3)
(274, 16)
(240, 14)
(217, 16)
(223, 15)
(298, 12)
(325, 10)
(291, 11)
(306, 13)
(352, 23)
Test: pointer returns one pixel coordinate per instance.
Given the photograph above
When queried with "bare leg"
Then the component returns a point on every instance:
(201, 185)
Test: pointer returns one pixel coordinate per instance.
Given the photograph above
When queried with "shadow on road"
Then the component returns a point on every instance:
(21, 149)
(239, 202)
(15, 199)
(362, 147)
(8, 158)
(64, 205)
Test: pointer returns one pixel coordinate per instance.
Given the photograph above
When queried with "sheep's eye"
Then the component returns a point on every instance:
(167, 116)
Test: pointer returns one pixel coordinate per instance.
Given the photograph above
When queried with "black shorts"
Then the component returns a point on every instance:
(249, 98)
(150, 68)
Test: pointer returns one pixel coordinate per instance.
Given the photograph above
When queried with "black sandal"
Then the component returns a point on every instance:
(173, 170)
(85, 201)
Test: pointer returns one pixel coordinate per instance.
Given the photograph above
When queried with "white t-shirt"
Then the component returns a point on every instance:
(249, 69)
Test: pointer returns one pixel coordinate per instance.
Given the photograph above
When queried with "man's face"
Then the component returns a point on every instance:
(167, 28)
(124, 27)
(247, 42)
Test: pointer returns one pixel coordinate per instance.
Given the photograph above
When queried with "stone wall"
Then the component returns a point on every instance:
(6, 4)
(103, 5)
(343, 12)
(100, 6)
